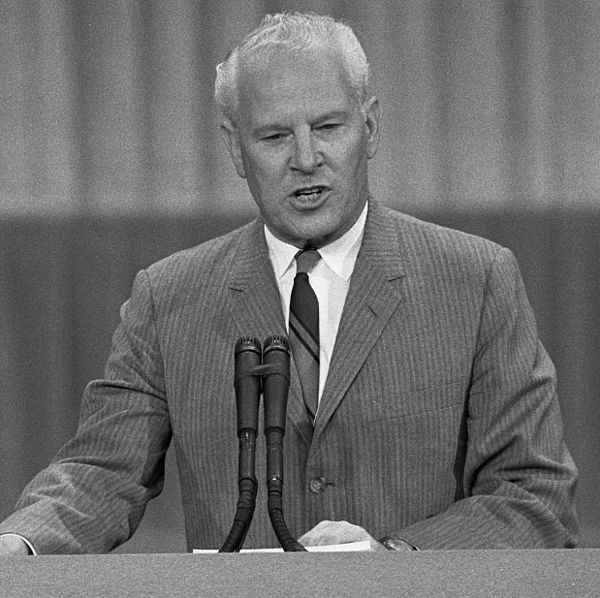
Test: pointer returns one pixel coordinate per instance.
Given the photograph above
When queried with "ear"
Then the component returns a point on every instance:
(372, 114)
(231, 136)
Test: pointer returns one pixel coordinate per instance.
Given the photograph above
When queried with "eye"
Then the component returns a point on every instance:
(274, 137)
(328, 126)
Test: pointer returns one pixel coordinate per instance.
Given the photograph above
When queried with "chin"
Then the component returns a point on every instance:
(319, 239)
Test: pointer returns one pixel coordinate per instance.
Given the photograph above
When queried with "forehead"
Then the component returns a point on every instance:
(294, 85)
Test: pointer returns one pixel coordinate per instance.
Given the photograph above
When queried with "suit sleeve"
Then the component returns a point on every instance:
(93, 494)
(518, 477)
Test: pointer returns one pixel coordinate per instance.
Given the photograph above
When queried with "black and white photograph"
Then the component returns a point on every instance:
(313, 277)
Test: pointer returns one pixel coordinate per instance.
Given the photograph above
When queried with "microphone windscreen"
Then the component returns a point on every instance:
(276, 353)
(247, 383)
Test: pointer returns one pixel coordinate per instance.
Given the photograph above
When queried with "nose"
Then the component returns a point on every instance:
(306, 155)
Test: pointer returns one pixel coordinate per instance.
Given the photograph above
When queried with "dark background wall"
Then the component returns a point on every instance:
(111, 158)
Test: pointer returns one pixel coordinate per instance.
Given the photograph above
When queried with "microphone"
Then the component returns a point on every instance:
(247, 382)
(276, 383)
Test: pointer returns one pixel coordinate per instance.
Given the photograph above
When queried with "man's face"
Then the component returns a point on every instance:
(302, 143)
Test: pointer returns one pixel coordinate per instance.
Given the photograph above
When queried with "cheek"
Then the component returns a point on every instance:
(349, 156)
(264, 170)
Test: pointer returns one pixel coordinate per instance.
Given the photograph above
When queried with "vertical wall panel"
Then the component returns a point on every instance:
(36, 108)
(114, 105)
(531, 124)
(177, 130)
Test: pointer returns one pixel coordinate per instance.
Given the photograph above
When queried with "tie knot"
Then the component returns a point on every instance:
(306, 260)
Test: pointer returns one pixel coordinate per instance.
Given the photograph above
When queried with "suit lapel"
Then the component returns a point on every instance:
(373, 296)
(256, 308)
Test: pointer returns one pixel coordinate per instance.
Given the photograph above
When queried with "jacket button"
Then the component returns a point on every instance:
(317, 485)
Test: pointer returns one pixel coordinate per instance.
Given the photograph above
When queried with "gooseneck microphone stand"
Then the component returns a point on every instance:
(247, 397)
(274, 371)
(276, 356)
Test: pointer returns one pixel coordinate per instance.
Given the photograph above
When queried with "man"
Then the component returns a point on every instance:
(435, 422)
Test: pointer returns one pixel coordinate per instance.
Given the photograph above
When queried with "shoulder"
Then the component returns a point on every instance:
(438, 238)
(209, 260)
(437, 253)
(427, 242)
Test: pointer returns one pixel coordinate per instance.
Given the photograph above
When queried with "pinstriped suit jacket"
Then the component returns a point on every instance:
(439, 421)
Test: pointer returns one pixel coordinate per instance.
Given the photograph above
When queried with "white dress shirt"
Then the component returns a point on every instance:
(329, 279)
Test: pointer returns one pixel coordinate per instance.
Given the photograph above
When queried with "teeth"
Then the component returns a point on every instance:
(311, 193)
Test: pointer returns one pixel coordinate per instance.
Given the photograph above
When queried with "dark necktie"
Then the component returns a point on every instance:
(304, 329)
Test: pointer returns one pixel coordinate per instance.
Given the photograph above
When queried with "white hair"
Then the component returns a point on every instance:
(292, 31)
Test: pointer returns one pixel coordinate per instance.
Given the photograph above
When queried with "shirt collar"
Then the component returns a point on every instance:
(340, 255)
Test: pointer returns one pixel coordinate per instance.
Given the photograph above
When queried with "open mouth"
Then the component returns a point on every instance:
(310, 194)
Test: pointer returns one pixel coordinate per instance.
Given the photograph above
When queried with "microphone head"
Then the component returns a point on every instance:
(276, 342)
(248, 343)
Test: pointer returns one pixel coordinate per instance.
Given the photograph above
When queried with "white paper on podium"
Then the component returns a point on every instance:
(349, 547)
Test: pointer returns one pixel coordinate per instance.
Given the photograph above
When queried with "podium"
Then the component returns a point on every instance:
(427, 574)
